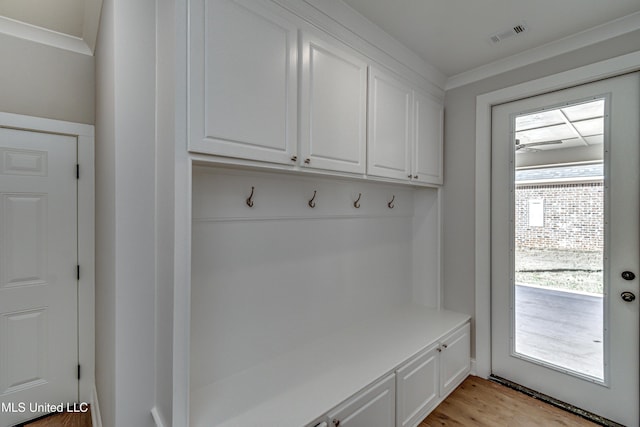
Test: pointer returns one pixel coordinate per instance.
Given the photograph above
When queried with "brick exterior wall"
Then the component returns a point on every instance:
(573, 216)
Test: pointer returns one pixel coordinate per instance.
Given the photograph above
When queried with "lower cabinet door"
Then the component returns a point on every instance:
(374, 407)
(417, 388)
(455, 359)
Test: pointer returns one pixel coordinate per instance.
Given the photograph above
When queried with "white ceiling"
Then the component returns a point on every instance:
(453, 35)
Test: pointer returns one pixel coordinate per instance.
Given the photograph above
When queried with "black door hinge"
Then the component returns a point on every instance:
(77, 171)
(78, 371)
(78, 272)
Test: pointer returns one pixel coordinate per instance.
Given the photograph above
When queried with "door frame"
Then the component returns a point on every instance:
(484, 103)
(86, 238)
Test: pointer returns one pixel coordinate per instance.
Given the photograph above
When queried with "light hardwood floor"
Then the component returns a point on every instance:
(479, 402)
(80, 419)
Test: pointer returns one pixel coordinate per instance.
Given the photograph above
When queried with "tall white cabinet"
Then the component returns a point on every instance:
(315, 164)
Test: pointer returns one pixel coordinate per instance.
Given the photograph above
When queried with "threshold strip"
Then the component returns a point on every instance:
(555, 402)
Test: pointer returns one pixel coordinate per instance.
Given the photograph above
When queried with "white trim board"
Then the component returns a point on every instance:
(589, 73)
(356, 23)
(86, 237)
(96, 418)
(84, 45)
(157, 417)
(576, 41)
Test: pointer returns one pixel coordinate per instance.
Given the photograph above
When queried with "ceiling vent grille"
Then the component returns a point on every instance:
(513, 31)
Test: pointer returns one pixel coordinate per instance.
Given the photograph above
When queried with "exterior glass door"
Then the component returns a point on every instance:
(565, 245)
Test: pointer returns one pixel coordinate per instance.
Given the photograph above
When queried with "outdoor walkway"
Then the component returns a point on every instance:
(561, 328)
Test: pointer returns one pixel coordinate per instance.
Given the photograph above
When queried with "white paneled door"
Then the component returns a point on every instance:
(38, 273)
(565, 245)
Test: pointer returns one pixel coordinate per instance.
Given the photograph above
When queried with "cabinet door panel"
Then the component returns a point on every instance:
(243, 80)
(427, 157)
(372, 408)
(390, 125)
(417, 388)
(455, 359)
(333, 106)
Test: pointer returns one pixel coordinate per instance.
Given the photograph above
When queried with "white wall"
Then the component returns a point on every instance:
(271, 278)
(126, 221)
(43, 81)
(459, 185)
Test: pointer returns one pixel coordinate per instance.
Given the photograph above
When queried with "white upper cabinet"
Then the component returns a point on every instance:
(390, 125)
(333, 108)
(257, 71)
(243, 80)
(427, 155)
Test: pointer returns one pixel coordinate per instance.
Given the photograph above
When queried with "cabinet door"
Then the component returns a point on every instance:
(455, 359)
(333, 106)
(417, 388)
(427, 155)
(390, 125)
(374, 407)
(243, 80)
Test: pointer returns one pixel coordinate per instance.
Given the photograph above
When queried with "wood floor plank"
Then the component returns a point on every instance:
(65, 419)
(479, 402)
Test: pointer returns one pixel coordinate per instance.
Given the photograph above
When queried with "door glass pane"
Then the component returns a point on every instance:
(559, 237)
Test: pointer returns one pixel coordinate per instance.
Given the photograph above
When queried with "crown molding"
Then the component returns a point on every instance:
(84, 45)
(576, 41)
(344, 22)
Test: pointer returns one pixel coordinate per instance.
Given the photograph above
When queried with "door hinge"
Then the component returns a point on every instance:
(78, 371)
(78, 272)
(77, 171)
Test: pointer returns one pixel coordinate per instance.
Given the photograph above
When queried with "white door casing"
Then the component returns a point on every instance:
(618, 397)
(38, 270)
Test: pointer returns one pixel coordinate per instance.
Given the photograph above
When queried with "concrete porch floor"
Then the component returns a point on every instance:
(561, 328)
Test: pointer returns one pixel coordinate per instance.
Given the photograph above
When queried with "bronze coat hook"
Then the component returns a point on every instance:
(250, 198)
(312, 204)
(356, 204)
(390, 204)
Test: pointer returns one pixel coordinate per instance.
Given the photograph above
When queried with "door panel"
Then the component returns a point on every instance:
(243, 80)
(390, 125)
(372, 408)
(334, 106)
(429, 131)
(38, 258)
(613, 394)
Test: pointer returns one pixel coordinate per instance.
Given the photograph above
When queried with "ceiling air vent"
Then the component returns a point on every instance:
(513, 31)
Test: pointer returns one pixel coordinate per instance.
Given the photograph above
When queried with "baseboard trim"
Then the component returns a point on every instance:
(157, 418)
(96, 419)
(474, 368)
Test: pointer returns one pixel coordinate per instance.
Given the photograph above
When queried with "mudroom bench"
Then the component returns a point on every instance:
(390, 370)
